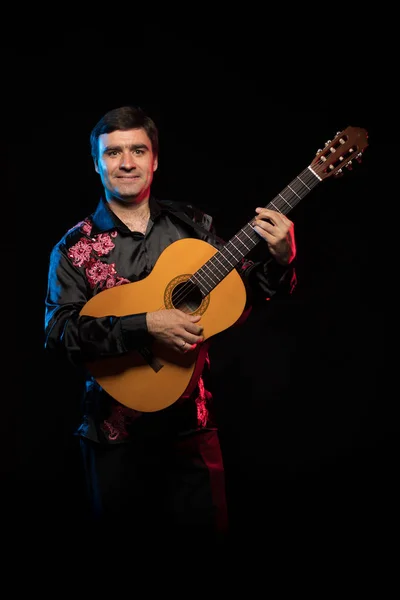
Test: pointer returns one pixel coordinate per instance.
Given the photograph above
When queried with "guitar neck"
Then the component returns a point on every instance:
(230, 255)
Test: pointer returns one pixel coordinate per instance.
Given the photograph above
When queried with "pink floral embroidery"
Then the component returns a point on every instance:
(85, 253)
(103, 244)
(115, 427)
(87, 227)
(98, 273)
(202, 400)
(80, 253)
(201, 403)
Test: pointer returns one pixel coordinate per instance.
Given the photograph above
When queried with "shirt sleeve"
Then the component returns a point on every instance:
(84, 338)
(266, 278)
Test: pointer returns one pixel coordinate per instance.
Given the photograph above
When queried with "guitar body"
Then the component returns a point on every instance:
(159, 379)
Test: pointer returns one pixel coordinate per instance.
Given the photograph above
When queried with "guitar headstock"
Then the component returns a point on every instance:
(347, 145)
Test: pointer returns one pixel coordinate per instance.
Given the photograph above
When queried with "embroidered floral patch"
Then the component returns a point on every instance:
(115, 427)
(201, 404)
(86, 252)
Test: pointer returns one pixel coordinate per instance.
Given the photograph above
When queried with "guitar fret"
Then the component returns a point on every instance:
(294, 192)
(248, 249)
(197, 279)
(247, 235)
(205, 290)
(207, 266)
(298, 177)
(203, 279)
(274, 205)
(216, 258)
(226, 248)
(284, 199)
(226, 258)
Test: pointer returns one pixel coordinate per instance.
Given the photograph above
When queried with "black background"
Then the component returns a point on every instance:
(307, 418)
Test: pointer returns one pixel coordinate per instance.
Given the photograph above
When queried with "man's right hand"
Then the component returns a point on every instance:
(175, 328)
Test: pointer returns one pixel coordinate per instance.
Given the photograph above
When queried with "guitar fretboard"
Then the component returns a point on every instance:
(230, 255)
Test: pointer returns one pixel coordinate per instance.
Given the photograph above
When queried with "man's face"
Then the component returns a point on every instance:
(126, 165)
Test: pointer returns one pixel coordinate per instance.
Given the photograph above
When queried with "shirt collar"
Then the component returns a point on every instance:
(104, 219)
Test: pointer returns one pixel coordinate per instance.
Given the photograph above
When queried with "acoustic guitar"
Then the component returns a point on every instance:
(193, 276)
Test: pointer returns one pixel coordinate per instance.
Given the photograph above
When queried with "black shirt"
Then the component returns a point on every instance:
(100, 253)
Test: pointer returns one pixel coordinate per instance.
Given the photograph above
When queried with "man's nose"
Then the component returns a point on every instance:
(128, 161)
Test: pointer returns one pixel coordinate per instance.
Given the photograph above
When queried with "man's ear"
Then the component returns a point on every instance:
(155, 163)
(96, 168)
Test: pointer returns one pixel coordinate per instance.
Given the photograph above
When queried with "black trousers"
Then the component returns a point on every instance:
(156, 487)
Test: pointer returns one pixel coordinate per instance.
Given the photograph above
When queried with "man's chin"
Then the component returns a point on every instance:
(127, 196)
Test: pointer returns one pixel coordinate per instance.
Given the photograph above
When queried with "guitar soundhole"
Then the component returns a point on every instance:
(186, 297)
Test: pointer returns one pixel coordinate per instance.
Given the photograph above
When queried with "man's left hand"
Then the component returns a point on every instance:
(278, 231)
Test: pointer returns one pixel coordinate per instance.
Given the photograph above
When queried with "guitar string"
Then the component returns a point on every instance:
(278, 203)
(298, 185)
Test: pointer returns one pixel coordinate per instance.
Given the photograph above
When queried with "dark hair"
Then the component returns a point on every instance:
(124, 118)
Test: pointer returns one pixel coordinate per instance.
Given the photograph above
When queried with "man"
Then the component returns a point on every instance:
(159, 471)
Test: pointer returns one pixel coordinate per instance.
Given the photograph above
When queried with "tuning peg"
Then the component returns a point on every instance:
(349, 165)
(359, 157)
(327, 143)
(338, 173)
